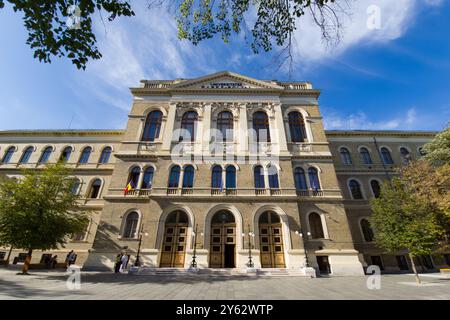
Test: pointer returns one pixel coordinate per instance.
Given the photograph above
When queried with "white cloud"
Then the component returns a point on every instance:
(395, 18)
(334, 120)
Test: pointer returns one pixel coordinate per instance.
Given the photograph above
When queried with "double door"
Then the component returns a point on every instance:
(271, 244)
(174, 246)
(223, 246)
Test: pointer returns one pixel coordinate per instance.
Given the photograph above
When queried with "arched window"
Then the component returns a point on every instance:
(188, 178)
(345, 156)
(297, 127)
(314, 178)
(355, 189)
(225, 125)
(76, 186)
(45, 155)
(406, 156)
(148, 178)
(152, 126)
(133, 177)
(421, 152)
(174, 178)
(188, 123)
(65, 155)
(95, 189)
(85, 155)
(315, 225)
(8, 155)
(272, 173)
(223, 216)
(300, 179)
(258, 174)
(216, 177)
(26, 155)
(106, 154)
(375, 185)
(131, 223)
(261, 126)
(231, 177)
(386, 156)
(365, 156)
(366, 230)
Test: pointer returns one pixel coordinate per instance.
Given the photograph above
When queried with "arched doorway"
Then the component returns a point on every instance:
(174, 242)
(223, 240)
(271, 240)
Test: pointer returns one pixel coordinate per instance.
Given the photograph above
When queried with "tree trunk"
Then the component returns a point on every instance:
(413, 265)
(26, 265)
(9, 256)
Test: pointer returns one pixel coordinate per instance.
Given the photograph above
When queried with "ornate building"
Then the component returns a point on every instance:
(224, 161)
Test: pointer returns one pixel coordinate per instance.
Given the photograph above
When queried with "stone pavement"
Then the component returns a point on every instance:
(95, 285)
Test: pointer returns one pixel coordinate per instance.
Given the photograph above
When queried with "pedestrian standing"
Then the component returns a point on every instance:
(118, 263)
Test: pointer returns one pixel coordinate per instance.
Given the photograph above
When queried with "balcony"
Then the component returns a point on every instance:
(223, 192)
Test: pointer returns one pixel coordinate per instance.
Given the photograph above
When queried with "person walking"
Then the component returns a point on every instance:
(124, 263)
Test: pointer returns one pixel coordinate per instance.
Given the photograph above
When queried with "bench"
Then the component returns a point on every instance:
(445, 273)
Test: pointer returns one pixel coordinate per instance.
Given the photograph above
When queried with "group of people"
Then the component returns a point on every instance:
(51, 262)
(121, 262)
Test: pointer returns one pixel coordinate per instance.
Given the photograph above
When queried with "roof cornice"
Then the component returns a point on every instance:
(378, 133)
(65, 133)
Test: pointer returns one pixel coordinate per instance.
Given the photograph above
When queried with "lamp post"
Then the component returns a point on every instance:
(137, 263)
(300, 233)
(194, 263)
(250, 263)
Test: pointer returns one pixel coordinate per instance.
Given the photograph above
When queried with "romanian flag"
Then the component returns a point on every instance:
(128, 187)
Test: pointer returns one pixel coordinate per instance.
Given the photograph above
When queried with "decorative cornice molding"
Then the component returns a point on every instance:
(378, 133)
(58, 133)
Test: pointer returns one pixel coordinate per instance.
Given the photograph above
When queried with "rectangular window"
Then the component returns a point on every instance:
(401, 262)
(376, 260)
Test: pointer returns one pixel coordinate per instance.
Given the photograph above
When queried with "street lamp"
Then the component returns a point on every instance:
(137, 263)
(250, 263)
(300, 234)
(194, 263)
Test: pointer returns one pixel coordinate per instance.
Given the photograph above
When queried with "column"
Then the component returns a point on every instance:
(243, 129)
(205, 132)
(168, 128)
(281, 133)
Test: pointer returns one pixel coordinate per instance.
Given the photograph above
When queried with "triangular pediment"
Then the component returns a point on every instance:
(226, 80)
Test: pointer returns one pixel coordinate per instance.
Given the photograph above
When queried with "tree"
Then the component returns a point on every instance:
(49, 34)
(431, 183)
(401, 220)
(40, 211)
(437, 151)
(63, 28)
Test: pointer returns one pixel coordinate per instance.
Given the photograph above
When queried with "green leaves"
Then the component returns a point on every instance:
(49, 27)
(438, 150)
(40, 211)
(401, 220)
(275, 19)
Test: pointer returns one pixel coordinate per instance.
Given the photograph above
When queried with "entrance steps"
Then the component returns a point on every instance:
(258, 272)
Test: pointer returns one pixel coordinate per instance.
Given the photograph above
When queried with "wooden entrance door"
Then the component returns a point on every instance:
(271, 241)
(174, 241)
(223, 241)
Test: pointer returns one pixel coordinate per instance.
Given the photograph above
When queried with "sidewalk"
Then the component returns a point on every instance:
(98, 285)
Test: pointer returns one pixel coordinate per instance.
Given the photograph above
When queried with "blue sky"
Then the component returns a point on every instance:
(396, 77)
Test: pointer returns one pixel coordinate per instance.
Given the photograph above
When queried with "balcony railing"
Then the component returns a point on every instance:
(223, 192)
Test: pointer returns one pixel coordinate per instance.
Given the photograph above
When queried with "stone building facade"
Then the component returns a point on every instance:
(219, 165)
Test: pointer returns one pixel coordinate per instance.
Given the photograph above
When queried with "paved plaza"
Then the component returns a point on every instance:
(52, 285)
